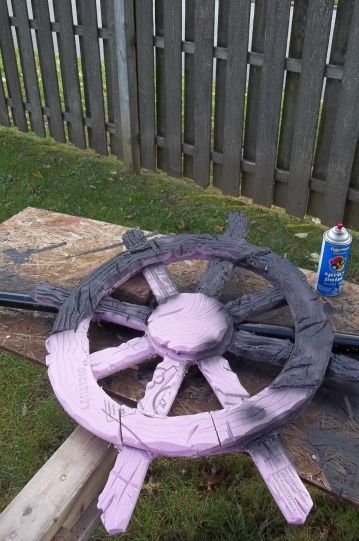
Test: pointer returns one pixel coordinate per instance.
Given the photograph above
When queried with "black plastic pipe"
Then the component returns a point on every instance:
(342, 340)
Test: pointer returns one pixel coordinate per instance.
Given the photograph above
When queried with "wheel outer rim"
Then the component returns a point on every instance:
(204, 433)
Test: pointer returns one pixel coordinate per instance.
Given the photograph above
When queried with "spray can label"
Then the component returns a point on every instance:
(332, 265)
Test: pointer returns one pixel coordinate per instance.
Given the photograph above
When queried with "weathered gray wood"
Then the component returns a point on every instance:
(69, 71)
(4, 112)
(31, 83)
(109, 309)
(274, 51)
(345, 133)
(91, 66)
(160, 85)
(254, 304)
(253, 96)
(146, 80)
(112, 91)
(218, 272)
(220, 95)
(236, 76)
(48, 69)
(10, 68)
(203, 72)
(307, 105)
(188, 134)
(172, 30)
(300, 12)
(127, 81)
(330, 101)
(276, 352)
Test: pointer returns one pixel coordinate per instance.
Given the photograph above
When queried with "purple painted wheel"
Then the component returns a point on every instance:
(74, 372)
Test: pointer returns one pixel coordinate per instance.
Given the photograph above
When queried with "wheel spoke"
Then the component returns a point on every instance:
(118, 499)
(163, 388)
(157, 276)
(119, 496)
(123, 313)
(223, 380)
(273, 351)
(256, 303)
(110, 360)
(277, 470)
(219, 271)
(282, 479)
(277, 351)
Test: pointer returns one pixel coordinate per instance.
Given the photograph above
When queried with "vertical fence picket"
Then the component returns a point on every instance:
(203, 72)
(275, 43)
(124, 16)
(160, 85)
(236, 75)
(172, 30)
(69, 71)
(253, 96)
(28, 66)
(91, 65)
(188, 130)
(113, 99)
(4, 112)
(330, 103)
(345, 133)
(146, 86)
(220, 94)
(307, 106)
(300, 12)
(48, 68)
(10, 68)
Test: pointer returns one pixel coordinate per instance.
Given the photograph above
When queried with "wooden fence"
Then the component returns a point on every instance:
(254, 103)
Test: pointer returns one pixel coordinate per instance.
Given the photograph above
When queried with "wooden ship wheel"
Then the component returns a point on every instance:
(185, 329)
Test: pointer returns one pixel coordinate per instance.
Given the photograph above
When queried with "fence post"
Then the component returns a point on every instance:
(124, 17)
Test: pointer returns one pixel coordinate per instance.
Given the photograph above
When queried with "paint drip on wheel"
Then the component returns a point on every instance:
(334, 257)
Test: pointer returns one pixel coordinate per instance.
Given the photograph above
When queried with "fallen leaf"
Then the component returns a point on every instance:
(314, 257)
(37, 174)
(301, 235)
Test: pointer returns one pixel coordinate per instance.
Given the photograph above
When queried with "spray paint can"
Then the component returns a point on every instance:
(333, 261)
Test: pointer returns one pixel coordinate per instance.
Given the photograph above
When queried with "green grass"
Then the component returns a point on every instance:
(220, 498)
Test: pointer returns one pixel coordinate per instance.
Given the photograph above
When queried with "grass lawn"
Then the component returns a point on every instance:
(220, 498)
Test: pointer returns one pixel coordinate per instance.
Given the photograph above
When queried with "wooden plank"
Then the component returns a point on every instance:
(332, 90)
(160, 85)
(48, 69)
(146, 86)
(113, 98)
(307, 105)
(236, 76)
(91, 66)
(39, 510)
(69, 71)
(345, 133)
(31, 82)
(275, 42)
(220, 92)
(10, 68)
(300, 12)
(188, 134)
(203, 72)
(4, 112)
(172, 31)
(253, 97)
(127, 81)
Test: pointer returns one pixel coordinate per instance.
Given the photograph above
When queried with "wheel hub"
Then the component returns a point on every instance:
(190, 326)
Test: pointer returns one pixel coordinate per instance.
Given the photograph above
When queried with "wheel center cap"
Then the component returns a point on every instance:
(190, 326)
